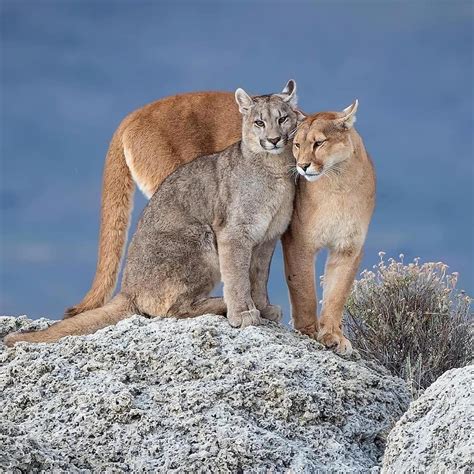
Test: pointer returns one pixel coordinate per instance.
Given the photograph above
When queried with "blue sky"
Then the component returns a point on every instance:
(70, 71)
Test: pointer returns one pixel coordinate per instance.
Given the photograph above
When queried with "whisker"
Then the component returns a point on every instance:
(293, 172)
(333, 171)
(292, 133)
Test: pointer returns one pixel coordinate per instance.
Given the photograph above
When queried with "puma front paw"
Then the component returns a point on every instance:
(272, 312)
(334, 339)
(245, 318)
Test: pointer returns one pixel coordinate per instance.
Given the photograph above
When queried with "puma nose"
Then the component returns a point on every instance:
(274, 141)
(305, 166)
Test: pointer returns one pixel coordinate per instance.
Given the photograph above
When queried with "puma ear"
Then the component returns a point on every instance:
(288, 94)
(244, 101)
(300, 116)
(290, 87)
(348, 116)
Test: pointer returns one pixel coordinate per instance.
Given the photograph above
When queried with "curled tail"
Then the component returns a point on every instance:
(89, 322)
(116, 207)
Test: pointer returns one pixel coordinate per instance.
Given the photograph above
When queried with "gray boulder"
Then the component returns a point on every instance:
(437, 432)
(191, 396)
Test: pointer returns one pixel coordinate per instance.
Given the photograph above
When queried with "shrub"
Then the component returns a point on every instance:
(411, 319)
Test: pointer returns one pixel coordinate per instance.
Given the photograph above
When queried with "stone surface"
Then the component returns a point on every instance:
(437, 432)
(191, 396)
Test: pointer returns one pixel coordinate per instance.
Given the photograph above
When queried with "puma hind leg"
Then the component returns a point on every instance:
(206, 305)
(186, 290)
(184, 307)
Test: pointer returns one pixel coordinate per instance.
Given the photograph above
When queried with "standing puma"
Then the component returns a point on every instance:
(219, 215)
(333, 208)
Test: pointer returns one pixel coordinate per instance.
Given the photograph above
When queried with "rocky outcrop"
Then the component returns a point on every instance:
(437, 432)
(191, 396)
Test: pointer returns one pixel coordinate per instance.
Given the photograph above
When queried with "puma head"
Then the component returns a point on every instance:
(269, 121)
(323, 142)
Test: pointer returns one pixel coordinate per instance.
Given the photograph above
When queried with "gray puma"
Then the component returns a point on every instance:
(219, 216)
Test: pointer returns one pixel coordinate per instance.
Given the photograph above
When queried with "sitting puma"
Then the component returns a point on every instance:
(218, 216)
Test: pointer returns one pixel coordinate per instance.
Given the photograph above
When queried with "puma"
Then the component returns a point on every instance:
(333, 207)
(218, 216)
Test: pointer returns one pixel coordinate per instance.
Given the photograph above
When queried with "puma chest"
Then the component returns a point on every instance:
(280, 207)
(339, 221)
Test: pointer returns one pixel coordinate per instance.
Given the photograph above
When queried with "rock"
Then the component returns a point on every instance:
(437, 432)
(191, 395)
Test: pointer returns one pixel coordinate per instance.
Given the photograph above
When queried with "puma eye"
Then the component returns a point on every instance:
(283, 119)
(297, 145)
(318, 143)
(259, 123)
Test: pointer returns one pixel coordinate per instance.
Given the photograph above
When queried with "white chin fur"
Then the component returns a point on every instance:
(308, 177)
(275, 151)
(312, 178)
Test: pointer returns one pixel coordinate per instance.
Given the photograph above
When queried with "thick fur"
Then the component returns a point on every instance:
(334, 203)
(148, 146)
(218, 216)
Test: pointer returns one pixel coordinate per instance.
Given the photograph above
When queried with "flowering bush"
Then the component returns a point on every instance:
(411, 319)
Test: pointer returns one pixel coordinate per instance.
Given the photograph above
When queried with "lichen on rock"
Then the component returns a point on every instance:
(191, 396)
(436, 434)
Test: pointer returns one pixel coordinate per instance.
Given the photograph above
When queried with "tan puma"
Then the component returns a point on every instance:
(333, 208)
(220, 215)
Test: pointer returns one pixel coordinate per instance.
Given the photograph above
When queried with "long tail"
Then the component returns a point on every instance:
(120, 307)
(116, 207)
